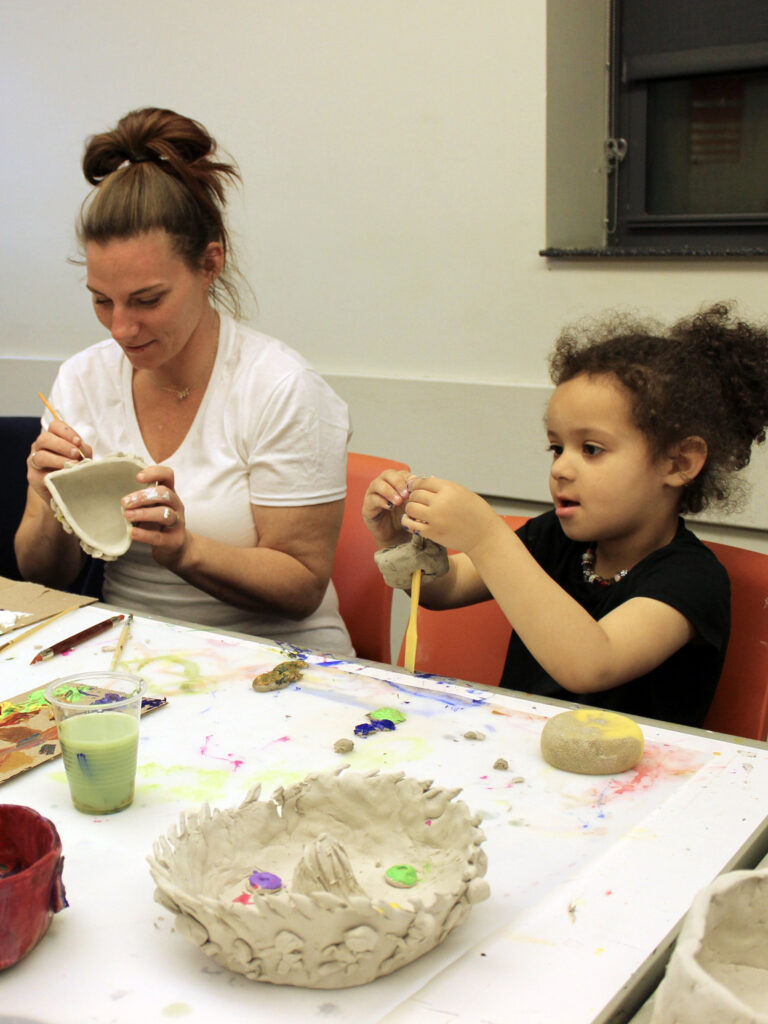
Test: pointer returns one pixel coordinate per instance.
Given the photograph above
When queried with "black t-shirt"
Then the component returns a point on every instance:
(686, 575)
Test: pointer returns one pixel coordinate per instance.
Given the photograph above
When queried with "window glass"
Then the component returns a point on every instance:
(707, 145)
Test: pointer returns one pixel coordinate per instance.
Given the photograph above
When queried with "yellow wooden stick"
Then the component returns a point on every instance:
(53, 412)
(411, 633)
(121, 642)
(38, 625)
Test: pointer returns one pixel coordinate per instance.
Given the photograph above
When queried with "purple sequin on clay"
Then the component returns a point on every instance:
(265, 880)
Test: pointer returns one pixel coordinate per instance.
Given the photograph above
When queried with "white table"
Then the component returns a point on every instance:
(589, 875)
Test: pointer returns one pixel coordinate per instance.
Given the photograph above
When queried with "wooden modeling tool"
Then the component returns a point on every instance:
(55, 415)
(38, 625)
(124, 634)
(411, 633)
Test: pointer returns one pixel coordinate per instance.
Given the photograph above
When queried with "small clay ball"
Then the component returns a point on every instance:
(343, 746)
(592, 742)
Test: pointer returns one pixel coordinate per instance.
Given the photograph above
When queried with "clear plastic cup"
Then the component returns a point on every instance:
(97, 718)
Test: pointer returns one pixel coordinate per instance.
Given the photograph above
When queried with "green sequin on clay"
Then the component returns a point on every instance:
(402, 876)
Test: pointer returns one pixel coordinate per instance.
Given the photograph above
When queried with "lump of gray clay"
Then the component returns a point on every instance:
(398, 564)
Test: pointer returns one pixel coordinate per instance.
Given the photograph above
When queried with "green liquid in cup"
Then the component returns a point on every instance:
(99, 751)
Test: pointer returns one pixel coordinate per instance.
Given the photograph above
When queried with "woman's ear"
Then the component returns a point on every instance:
(686, 460)
(213, 260)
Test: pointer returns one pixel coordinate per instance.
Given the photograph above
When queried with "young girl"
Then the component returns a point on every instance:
(614, 602)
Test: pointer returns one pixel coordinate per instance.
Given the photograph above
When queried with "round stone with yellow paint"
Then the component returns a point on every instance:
(592, 742)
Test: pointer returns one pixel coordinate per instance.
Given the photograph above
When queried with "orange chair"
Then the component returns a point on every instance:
(467, 643)
(740, 707)
(365, 600)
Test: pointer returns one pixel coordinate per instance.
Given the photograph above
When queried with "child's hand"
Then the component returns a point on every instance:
(447, 513)
(383, 507)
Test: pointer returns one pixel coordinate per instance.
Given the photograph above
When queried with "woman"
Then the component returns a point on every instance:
(235, 520)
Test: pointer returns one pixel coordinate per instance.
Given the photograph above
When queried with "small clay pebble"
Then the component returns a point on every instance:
(401, 876)
(592, 742)
(472, 734)
(501, 764)
(343, 746)
(279, 677)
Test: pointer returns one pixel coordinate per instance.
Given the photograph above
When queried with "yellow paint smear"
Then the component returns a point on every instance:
(610, 725)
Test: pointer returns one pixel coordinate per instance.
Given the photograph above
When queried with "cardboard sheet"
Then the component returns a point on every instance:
(24, 604)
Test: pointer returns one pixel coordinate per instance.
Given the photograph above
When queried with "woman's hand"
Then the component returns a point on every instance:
(55, 448)
(447, 513)
(155, 515)
(383, 506)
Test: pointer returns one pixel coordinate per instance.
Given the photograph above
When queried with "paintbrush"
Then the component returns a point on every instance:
(55, 415)
(124, 632)
(38, 625)
(411, 635)
(79, 638)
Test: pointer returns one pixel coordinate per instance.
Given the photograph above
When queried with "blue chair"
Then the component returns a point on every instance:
(16, 436)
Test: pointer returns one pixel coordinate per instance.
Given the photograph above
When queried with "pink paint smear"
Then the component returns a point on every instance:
(229, 758)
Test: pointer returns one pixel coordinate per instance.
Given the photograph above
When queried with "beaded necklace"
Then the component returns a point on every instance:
(590, 576)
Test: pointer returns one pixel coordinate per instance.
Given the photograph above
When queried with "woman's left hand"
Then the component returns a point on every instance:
(156, 514)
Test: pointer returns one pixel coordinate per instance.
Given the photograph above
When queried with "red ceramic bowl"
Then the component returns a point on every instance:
(31, 890)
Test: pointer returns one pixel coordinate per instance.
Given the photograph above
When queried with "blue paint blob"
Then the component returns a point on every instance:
(367, 728)
(82, 762)
(150, 703)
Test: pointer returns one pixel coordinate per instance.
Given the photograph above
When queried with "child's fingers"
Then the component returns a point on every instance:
(386, 491)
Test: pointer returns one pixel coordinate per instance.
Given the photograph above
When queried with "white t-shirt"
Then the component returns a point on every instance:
(269, 431)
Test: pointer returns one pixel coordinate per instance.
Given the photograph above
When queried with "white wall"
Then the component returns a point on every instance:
(393, 154)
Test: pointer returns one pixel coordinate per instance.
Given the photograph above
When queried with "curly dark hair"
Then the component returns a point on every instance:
(157, 169)
(706, 376)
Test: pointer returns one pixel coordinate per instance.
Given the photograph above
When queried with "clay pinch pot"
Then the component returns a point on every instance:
(86, 500)
(718, 970)
(336, 921)
(31, 889)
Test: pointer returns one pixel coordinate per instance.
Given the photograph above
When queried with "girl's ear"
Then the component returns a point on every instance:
(686, 460)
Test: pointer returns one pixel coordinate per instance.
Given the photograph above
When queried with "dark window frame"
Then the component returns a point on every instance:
(716, 49)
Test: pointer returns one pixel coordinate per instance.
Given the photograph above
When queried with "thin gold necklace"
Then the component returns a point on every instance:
(185, 392)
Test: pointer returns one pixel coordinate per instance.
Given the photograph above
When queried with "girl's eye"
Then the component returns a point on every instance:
(556, 449)
(148, 302)
(593, 449)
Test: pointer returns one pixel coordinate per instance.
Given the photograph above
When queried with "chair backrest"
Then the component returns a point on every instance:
(16, 435)
(365, 600)
(740, 707)
(464, 643)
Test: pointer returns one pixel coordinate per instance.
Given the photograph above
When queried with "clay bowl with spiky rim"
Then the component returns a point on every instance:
(331, 839)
